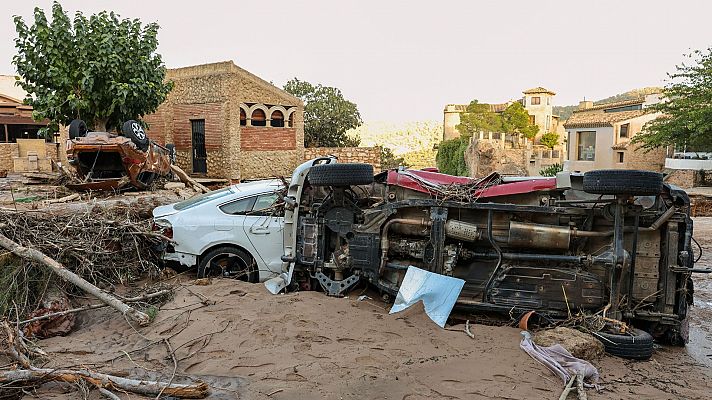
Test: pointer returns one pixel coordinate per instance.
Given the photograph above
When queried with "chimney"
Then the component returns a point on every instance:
(584, 105)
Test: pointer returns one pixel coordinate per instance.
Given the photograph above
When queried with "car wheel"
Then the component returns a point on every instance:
(133, 130)
(638, 345)
(228, 262)
(77, 128)
(341, 174)
(623, 181)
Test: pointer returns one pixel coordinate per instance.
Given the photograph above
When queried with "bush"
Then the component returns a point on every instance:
(550, 139)
(451, 156)
(551, 170)
(389, 160)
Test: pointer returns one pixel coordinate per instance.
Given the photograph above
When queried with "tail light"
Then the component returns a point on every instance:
(163, 227)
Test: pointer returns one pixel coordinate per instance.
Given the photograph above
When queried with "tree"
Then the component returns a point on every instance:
(478, 117)
(451, 156)
(101, 69)
(389, 160)
(515, 119)
(550, 139)
(686, 119)
(327, 115)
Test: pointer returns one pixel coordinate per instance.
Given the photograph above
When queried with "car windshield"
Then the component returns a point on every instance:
(203, 198)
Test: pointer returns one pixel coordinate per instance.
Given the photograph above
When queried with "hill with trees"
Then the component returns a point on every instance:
(413, 141)
(565, 111)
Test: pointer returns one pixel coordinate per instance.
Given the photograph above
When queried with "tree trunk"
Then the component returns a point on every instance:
(57, 268)
(100, 124)
(183, 176)
(197, 390)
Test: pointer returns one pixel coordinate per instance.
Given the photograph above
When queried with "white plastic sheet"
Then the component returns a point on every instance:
(437, 292)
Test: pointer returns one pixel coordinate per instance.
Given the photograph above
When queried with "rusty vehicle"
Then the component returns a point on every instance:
(616, 244)
(106, 161)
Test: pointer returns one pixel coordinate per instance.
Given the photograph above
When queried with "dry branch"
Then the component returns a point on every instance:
(183, 176)
(57, 268)
(198, 390)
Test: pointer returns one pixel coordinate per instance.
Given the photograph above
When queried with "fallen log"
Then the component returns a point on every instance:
(32, 254)
(183, 176)
(63, 199)
(197, 390)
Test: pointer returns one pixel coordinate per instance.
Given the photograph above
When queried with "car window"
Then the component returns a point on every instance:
(264, 203)
(238, 207)
(203, 198)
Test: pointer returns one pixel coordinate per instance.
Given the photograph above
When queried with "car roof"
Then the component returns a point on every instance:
(256, 187)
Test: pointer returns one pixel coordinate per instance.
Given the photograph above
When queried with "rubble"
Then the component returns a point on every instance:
(579, 344)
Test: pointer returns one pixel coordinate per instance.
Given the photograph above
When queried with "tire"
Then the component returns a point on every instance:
(637, 346)
(77, 128)
(228, 262)
(341, 174)
(133, 130)
(623, 181)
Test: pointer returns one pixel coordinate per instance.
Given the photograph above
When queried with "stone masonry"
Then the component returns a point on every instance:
(365, 155)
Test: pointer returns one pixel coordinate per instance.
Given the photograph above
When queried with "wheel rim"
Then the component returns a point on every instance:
(230, 265)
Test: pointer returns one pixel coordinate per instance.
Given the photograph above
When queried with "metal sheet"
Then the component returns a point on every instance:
(437, 292)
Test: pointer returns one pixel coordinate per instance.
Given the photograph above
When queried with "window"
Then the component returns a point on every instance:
(536, 101)
(277, 119)
(238, 207)
(259, 118)
(548, 101)
(621, 155)
(291, 119)
(555, 154)
(264, 204)
(623, 132)
(586, 145)
(532, 119)
(243, 117)
(203, 198)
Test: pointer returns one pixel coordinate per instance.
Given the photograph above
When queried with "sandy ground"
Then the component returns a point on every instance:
(251, 345)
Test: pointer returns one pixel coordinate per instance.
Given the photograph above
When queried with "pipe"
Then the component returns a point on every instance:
(490, 217)
(384, 236)
(653, 227)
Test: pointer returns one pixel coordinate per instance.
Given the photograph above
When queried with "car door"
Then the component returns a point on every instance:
(263, 226)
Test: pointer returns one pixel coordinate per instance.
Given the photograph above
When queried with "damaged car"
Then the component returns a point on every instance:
(615, 244)
(106, 161)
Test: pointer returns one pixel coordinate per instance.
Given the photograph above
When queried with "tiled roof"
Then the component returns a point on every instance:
(599, 119)
(538, 89)
(614, 104)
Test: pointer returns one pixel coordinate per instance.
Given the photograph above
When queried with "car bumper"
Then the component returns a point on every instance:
(185, 259)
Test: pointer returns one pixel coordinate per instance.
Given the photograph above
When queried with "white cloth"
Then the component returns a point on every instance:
(558, 360)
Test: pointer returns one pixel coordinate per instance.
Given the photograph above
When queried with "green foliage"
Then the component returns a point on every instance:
(327, 115)
(550, 139)
(389, 160)
(478, 117)
(101, 69)
(687, 111)
(551, 170)
(514, 119)
(451, 156)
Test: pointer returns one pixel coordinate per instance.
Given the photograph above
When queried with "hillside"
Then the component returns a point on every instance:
(414, 141)
(566, 111)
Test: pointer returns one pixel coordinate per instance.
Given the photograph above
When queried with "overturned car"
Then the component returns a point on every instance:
(612, 242)
(105, 161)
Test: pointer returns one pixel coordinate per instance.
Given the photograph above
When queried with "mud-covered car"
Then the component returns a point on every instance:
(105, 161)
(611, 243)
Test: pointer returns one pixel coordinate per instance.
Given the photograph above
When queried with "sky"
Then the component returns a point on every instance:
(405, 60)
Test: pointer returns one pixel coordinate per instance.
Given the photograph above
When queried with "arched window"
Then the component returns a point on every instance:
(291, 120)
(277, 119)
(243, 117)
(259, 118)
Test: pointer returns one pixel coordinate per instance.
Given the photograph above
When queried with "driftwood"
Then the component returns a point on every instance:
(63, 199)
(59, 269)
(196, 390)
(183, 176)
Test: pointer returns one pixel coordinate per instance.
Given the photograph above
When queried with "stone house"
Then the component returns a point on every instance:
(22, 149)
(599, 137)
(525, 157)
(227, 123)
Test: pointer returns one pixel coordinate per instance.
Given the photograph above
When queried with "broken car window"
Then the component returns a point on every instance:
(239, 207)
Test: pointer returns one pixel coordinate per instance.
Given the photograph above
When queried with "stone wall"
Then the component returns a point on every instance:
(484, 157)
(637, 158)
(55, 151)
(365, 155)
(688, 178)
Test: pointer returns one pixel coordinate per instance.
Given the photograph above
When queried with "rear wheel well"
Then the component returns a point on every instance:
(215, 246)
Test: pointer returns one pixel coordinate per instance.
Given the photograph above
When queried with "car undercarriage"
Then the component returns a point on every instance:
(616, 243)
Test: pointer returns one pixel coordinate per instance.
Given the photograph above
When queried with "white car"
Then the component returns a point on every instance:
(233, 232)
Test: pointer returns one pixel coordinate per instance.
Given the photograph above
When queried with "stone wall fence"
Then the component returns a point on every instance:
(365, 155)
